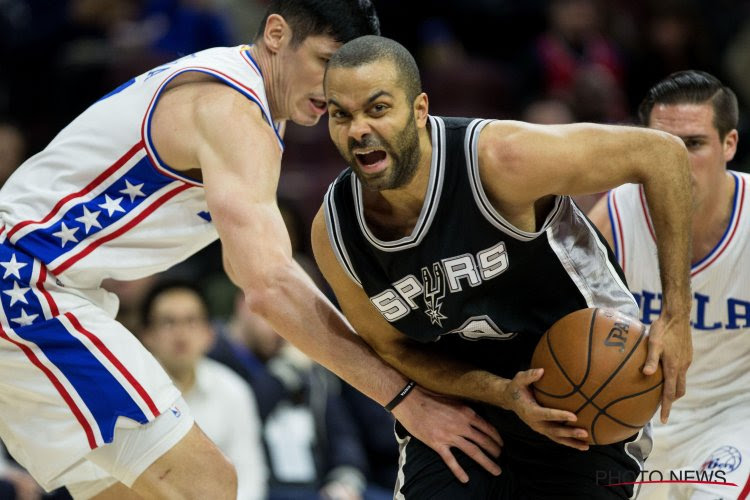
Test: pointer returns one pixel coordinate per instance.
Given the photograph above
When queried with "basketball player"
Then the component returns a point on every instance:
(455, 230)
(142, 179)
(708, 429)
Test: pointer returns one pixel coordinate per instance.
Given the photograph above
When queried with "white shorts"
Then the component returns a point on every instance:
(68, 371)
(133, 450)
(710, 451)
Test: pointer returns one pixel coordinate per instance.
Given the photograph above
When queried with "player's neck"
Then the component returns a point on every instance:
(271, 81)
(711, 218)
(184, 379)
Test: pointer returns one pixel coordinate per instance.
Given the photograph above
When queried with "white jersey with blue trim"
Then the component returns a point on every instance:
(98, 202)
(720, 372)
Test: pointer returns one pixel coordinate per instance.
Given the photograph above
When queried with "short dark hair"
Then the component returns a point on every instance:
(694, 87)
(368, 49)
(343, 20)
(166, 286)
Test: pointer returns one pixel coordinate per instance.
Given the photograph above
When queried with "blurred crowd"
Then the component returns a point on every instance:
(301, 432)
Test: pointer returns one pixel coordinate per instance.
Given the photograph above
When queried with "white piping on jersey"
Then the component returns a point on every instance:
(644, 437)
(333, 227)
(567, 263)
(400, 477)
(483, 203)
(248, 92)
(603, 249)
(431, 202)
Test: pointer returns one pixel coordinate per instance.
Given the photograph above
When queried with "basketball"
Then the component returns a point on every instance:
(593, 361)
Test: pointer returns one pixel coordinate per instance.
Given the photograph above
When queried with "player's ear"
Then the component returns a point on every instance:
(277, 33)
(421, 109)
(730, 145)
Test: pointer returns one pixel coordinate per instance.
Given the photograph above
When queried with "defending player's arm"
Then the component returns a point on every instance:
(434, 370)
(522, 164)
(214, 127)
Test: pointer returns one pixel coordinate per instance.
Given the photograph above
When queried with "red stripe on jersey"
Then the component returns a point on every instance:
(645, 213)
(90, 187)
(109, 237)
(116, 362)
(40, 285)
(745, 491)
(58, 385)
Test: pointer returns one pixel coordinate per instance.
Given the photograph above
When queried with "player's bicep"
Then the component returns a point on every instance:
(523, 162)
(354, 302)
(240, 161)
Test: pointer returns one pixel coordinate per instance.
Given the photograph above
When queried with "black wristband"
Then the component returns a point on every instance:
(400, 396)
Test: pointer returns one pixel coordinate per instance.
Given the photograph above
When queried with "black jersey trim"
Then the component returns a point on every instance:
(334, 234)
(480, 197)
(434, 190)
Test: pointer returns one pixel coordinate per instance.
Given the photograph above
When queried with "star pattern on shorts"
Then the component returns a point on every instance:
(17, 294)
(89, 219)
(25, 319)
(132, 190)
(112, 205)
(12, 267)
(66, 234)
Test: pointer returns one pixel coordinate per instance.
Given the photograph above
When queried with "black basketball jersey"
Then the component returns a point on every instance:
(465, 278)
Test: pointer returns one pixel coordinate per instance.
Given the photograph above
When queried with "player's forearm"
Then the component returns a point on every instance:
(668, 191)
(439, 373)
(300, 313)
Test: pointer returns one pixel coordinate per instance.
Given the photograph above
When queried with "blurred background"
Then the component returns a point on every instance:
(544, 61)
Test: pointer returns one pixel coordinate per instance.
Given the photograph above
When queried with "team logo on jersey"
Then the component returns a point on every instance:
(434, 292)
(726, 458)
(439, 282)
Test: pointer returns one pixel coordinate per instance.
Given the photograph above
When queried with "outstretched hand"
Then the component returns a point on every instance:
(442, 423)
(670, 341)
(546, 421)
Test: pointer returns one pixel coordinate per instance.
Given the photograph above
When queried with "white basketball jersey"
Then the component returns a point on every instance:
(719, 375)
(98, 202)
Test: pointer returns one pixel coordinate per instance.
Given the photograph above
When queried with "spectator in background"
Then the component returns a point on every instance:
(312, 443)
(15, 482)
(574, 61)
(12, 149)
(178, 333)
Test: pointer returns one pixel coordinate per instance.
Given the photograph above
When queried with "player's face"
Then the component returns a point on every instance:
(178, 333)
(709, 154)
(305, 65)
(373, 124)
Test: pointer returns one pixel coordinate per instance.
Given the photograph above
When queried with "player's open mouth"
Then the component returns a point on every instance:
(319, 105)
(371, 161)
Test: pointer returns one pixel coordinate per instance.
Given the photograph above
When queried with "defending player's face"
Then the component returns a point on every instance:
(709, 154)
(178, 333)
(373, 125)
(304, 65)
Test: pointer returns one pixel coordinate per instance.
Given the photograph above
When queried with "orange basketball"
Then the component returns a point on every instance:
(593, 361)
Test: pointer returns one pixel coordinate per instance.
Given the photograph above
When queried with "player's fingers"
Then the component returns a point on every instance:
(452, 464)
(484, 442)
(528, 377)
(553, 415)
(472, 451)
(573, 443)
(483, 426)
(655, 348)
(680, 388)
(668, 396)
